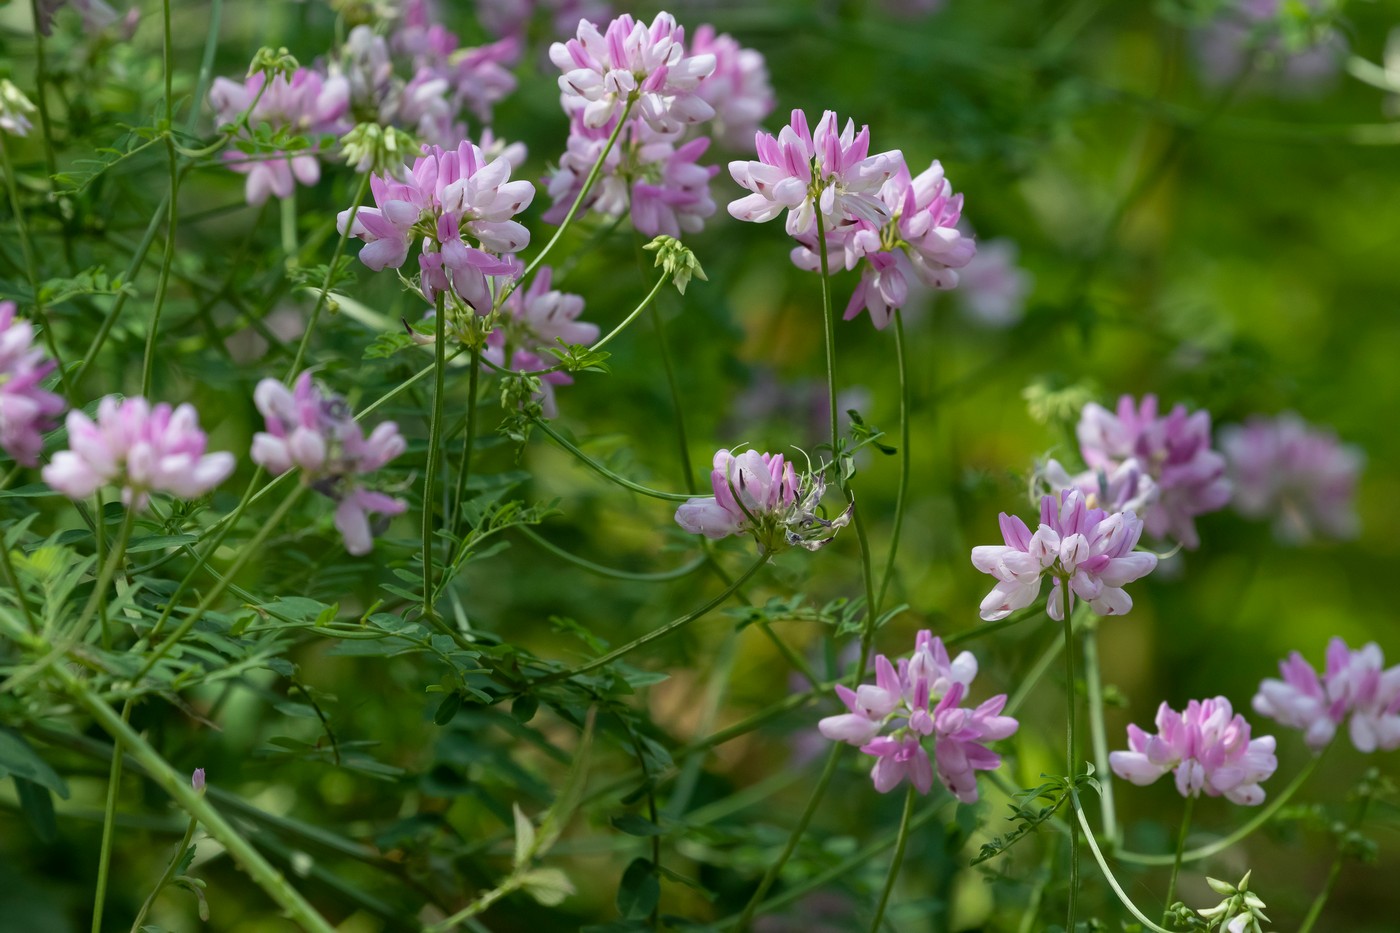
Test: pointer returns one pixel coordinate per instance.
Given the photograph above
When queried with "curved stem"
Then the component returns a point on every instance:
(664, 576)
(166, 875)
(902, 365)
(646, 303)
(1070, 757)
(898, 860)
(661, 632)
(434, 446)
(468, 443)
(603, 471)
(677, 409)
(1180, 848)
(109, 828)
(1083, 824)
(107, 570)
(1093, 679)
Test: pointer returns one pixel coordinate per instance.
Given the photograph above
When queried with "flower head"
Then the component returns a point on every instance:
(141, 448)
(1175, 451)
(1207, 746)
(992, 287)
(1086, 549)
(1301, 475)
(314, 432)
(738, 88)
(1355, 684)
(26, 409)
(532, 321)
(921, 698)
(762, 495)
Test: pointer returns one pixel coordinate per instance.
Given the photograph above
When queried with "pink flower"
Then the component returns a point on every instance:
(309, 103)
(992, 287)
(602, 71)
(26, 409)
(314, 432)
(1088, 549)
(803, 172)
(1174, 449)
(1301, 475)
(532, 321)
(512, 17)
(762, 495)
(737, 89)
(1207, 746)
(900, 701)
(139, 448)
(1125, 488)
(1355, 683)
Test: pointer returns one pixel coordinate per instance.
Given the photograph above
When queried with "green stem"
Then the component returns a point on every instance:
(166, 876)
(829, 325)
(646, 303)
(12, 578)
(468, 443)
(1320, 901)
(434, 447)
(1180, 848)
(206, 64)
(245, 554)
(148, 360)
(664, 576)
(898, 860)
(273, 882)
(661, 632)
(603, 471)
(109, 827)
(1093, 678)
(1070, 757)
(107, 570)
(588, 183)
(1083, 824)
(902, 365)
(326, 282)
(1220, 845)
(677, 409)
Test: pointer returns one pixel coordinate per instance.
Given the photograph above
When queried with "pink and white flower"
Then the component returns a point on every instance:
(1355, 684)
(27, 410)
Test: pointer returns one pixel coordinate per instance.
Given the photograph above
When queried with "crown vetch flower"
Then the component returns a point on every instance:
(27, 410)
(309, 103)
(631, 60)
(535, 319)
(1207, 746)
(1087, 549)
(992, 287)
(738, 89)
(1355, 683)
(141, 448)
(314, 432)
(1299, 474)
(762, 495)
(921, 698)
(1125, 488)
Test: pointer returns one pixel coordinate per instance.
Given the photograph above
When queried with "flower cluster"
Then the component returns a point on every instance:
(738, 89)
(1173, 450)
(1355, 684)
(309, 103)
(27, 410)
(919, 699)
(97, 15)
(445, 195)
(1208, 748)
(631, 62)
(872, 210)
(511, 18)
(314, 432)
(532, 320)
(992, 287)
(1276, 33)
(141, 448)
(762, 495)
(1301, 475)
(1087, 549)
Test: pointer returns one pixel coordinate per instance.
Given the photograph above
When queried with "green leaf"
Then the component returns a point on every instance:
(524, 836)
(548, 886)
(157, 542)
(640, 890)
(447, 710)
(524, 708)
(21, 761)
(635, 825)
(37, 804)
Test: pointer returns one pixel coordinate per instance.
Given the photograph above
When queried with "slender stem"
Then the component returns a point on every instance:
(245, 554)
(434, 447)
(898, 860)
(663, 576)
(206, 64)
(12, 578)
(41, 97)
(273, 882)
(1320, 901)
(1083, 824)
(326, 282)
(105, 328)
(661, 632)
(603, 471)
(291, 249)
(1093, 678)
(646, 303)
(468, 443)
(588, 183)
(1071, 759)
(829, 324)
(166, 876)
(1180, 848)
(901, 364)
(109, 827)
(1220, 845)
(677, 409)
(107, 570)
(148, 360)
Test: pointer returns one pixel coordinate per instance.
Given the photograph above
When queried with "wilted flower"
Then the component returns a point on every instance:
(314, 432)
(309, 103)
(1174, 450)
(1207, 746)
(15, 109)
(142, 449)
(919, 699)
(762, 495)
(26, 409)
(1085, 548)
(630, 61)
(1355, 683)
(1298, 474)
